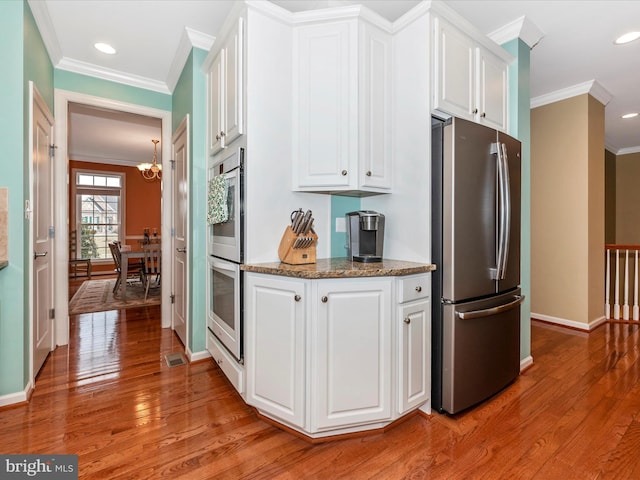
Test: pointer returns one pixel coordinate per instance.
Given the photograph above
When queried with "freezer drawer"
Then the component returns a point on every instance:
(480, 349)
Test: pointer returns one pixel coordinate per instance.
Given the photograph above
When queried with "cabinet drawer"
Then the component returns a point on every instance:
(232, 369)
(414, 287)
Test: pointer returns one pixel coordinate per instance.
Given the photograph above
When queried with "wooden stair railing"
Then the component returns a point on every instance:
(615, 276)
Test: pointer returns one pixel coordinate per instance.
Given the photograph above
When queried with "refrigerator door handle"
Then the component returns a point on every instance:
(507, 211)
(497, 273)
(487, 312)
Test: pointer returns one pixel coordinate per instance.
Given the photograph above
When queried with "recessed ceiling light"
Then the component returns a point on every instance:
(630, 115)
(105, 48)
(627, 37)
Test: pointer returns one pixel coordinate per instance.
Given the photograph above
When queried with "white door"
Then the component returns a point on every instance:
(180, 228)
(42, 224)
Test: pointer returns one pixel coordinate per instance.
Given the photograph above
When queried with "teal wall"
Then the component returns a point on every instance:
(189, 97)
(339, 206)
(520, 127)
(23, 58)
(12, 278)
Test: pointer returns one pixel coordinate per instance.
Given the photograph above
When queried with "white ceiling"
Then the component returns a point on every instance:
(153, 39)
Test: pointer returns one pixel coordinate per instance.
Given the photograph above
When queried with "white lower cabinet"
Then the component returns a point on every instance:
(351, 366)
(320, 355)
(275, 346)
(414, 341)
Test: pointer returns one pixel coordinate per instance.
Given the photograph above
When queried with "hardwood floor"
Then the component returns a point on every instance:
(110, 398)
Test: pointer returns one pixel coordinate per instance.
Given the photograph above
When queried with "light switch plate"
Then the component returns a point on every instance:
(341, 225)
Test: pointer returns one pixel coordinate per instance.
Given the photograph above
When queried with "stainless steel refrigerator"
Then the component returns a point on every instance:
(476, 248)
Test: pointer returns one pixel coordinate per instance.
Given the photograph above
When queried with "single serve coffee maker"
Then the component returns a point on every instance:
(365, 236)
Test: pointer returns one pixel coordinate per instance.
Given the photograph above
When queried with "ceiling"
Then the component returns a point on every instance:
(153, 39)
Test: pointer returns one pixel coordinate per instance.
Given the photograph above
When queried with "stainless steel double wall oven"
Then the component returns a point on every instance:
(226, 253)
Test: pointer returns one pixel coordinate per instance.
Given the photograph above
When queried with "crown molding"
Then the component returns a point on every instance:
(521, 28)
(47, 32)
(592, 87)
(83, 157)
(190, 39)
(625, 151)
(92, 70)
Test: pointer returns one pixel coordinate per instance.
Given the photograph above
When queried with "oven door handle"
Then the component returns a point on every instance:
(223, 265)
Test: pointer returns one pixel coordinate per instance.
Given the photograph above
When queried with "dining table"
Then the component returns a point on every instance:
(125, 254)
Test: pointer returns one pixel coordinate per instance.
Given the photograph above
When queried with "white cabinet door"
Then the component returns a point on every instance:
(342, 108)
(375, 108)
(233, 124)
(492, 90)
(351, 367)
(454, 84)
(275, 346)
(325, 103)
(414, 379)
(469, 82)
(226, 91)
(216, 103)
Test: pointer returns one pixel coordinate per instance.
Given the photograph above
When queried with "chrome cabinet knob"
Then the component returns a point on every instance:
(418, 288)
(222, 134)
(407, 320)
(297, 298)
(475, 110)
(344, 173)
(217, 137)
(483, 114)
(368, 173)
(324, 299)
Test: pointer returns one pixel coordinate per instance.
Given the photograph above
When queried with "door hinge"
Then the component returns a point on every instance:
(52, 232)
(52, 313)
(173, 232)
(173, 298)
(27, 209)
(52, 150)
(173, 164)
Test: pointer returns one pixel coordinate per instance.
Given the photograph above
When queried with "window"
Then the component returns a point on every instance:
(98, 212)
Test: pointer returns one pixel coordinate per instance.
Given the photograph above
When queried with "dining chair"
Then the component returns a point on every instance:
(134, 270)
(74, 262)
(151, 266)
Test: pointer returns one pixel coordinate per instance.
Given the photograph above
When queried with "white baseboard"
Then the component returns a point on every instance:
(18, 397)
(585, 327)
(526, 362)
(194, 357)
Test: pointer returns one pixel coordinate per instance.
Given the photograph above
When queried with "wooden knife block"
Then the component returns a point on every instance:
(296, 256)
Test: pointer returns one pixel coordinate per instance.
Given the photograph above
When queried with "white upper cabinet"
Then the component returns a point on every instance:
(225, 91)
(469, 81)
(342, 108)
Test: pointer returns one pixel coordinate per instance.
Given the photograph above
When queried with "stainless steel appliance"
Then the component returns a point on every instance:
(365, 236)
(226, 239)
(226, 249)
(476, 247)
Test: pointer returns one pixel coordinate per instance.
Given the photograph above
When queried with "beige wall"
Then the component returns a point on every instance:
(567, 211)
(609, 197)
(627, 198)
(596, 210)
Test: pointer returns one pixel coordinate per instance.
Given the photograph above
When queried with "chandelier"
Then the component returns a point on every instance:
(153, 170)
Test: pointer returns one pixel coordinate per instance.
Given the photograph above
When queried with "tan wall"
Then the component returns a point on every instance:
(627, 191)
(567, 209)
(596, 215)
(609, 197)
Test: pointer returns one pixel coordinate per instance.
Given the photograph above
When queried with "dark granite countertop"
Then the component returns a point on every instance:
(340, 268)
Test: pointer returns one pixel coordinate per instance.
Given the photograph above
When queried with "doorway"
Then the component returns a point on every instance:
(63, 100)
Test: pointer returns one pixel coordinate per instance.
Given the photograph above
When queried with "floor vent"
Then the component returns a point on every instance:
(175, 359)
